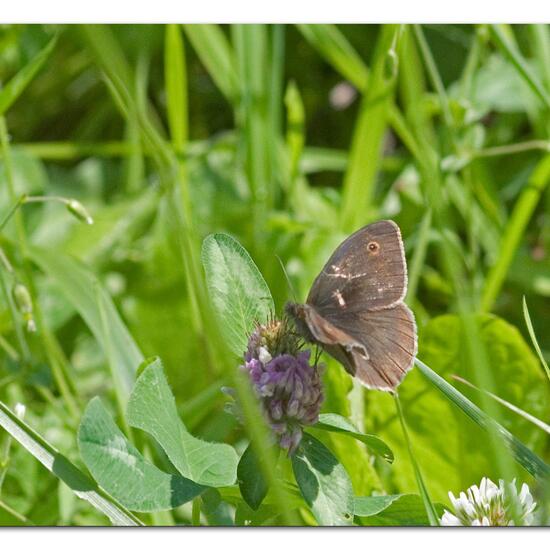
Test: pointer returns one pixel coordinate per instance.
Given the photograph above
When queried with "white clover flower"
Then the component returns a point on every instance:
(491, 505)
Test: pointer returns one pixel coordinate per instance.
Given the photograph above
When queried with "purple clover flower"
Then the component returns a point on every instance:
(289, 388)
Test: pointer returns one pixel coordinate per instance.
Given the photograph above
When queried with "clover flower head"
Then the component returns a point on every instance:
(289, 388)
(491, 505)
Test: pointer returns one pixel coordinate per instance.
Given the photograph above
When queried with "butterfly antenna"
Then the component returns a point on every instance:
(289, 282)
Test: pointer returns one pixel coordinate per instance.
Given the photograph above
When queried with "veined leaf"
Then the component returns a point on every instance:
(323, 482)
(152, 408)
(238, 291)
(251, 481)
(336, 423)
(64, 469)
(393, 510)
(122, 471)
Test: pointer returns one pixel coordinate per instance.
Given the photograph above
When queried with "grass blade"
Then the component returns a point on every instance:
(64, 469)
(529, 417)
(329, 41)
(15, 87)
(428, 505)
(531, 331)
(368, 137)
(176, 86)
(522, 454)
(510, 50)
(214, 50)
(521, 214)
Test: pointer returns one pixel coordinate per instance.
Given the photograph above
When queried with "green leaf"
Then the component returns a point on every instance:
(152, 408)
(393, 510)
(122, 471)
(64, 469)
(454, 450)
(81, 288)
(251, 481)
(15, 87)
(370, 506)
(323, 482)
(238, 291)
(336, 423)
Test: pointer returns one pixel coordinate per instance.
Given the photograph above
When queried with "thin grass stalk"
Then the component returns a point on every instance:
(533, 337)
(196, 512)
(60, 375)
(20, 517)
(419, 256)
(513, 233)
(367, 142)
(216, 54)
(522, 454)
(504, 42)
(529, 417)
(433, 73)
(428, 504)
(251, 48)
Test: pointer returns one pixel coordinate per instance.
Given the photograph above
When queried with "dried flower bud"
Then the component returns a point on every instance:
(78, 211)
(289, 388)
(491, 505)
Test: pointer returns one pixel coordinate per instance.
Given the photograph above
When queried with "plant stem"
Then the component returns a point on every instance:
(58, 373)
(428, 505)
(14, 513)
(196, 513)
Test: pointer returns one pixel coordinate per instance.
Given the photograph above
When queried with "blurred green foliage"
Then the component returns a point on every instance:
(287, 138)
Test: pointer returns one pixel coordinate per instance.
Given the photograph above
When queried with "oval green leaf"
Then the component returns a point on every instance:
(323, 482)
(122, 471)
(393, 510)
(152, 408)
(251, 481)
(336, 423)
(238, 291)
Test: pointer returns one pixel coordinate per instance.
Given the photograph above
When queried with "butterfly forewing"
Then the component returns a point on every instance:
(366, 272)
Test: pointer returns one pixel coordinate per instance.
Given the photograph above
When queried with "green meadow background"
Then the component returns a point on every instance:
(288, 138)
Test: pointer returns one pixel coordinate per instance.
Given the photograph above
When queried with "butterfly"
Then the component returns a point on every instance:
(355, 309)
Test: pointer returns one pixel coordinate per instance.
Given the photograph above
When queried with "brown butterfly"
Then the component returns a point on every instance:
(355, 308)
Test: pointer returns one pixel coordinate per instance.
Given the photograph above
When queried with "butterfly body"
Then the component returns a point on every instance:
(355, 309)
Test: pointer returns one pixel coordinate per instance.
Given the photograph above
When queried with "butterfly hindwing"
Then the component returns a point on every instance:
(389, 338)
